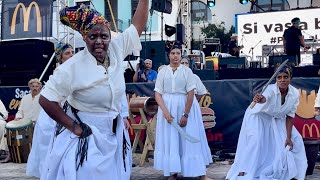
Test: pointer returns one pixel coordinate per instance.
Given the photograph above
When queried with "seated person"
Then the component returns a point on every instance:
(145, 75)
(29, 109)
(234, 49)
(3, 117)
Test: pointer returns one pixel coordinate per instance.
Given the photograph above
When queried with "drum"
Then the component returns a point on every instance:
(19, 138)
(148, 104)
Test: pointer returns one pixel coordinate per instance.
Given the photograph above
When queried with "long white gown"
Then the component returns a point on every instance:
(44, 131)
(261, 152)
(173, 153)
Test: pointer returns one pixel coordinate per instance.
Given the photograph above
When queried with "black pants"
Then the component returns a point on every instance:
(294, 52)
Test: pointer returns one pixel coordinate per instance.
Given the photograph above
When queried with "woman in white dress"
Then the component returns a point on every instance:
(174, 92)
(44, 128)
(269, 146)
(89, 141)
(200, 88)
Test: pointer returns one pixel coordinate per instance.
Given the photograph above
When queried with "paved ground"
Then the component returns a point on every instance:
(217, 171)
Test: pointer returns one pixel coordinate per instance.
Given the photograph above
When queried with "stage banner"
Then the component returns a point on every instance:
(260, 33)
(11, 98)
(228, 98)
(26, 19)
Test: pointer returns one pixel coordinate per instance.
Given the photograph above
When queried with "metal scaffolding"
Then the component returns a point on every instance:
(185, 15)
(64, 33)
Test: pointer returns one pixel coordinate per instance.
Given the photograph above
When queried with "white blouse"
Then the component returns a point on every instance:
(29, 108)
(3, 111)
(181, 81)
(88, 86)
(200, 88)
(273, 106)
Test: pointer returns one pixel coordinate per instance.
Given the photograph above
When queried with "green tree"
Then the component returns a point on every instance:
(219, 31)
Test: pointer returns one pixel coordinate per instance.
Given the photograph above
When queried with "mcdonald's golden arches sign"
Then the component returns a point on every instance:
(26, 19)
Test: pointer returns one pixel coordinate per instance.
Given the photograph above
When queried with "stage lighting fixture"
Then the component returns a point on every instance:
(211, 4)
(244, 2)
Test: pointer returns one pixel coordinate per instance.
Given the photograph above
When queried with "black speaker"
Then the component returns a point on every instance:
(206, 74)
(154, 50)
(22, 60)
(180, 35)
(316, 59)
(164, 6)
(232, 62)
(274, 60)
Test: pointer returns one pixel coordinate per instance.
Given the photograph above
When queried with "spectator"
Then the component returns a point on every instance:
(146, 74)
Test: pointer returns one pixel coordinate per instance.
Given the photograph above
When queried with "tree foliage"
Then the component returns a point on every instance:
(219, 31)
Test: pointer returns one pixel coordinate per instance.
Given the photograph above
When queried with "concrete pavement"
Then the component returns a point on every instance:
(217, 171)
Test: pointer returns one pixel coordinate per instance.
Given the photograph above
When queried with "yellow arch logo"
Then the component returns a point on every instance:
(26, 16)
(309, 128)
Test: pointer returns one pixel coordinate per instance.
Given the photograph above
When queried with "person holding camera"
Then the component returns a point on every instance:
(144, 73)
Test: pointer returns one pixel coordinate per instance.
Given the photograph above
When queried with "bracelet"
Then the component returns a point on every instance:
(185, 115)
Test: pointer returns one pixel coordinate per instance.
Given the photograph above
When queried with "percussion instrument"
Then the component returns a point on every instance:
(148, 104)
(19, 138)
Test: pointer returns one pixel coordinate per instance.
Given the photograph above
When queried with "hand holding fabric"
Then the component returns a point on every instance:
(289, 143)
(168, 116)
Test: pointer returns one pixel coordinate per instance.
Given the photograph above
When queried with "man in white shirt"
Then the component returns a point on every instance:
(29, 106)
(29, 109)
(3, 117)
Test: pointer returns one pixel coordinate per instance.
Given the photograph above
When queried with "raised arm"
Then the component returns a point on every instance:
(140, 17)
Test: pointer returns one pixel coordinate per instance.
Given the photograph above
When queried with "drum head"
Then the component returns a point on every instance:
(20, 124)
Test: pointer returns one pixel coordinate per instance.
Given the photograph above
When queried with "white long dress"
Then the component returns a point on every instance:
(44, 131)
(96, 93)
(174, 154)
(261, 151)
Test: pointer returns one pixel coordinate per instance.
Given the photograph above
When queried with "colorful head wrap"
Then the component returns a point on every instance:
(82, 18)
(287, 70)
(173, 45)
(61, 47)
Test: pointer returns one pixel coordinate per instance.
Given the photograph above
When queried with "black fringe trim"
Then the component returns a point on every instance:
(125, 149)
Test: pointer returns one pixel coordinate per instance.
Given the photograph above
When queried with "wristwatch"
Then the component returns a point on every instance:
(185, 115)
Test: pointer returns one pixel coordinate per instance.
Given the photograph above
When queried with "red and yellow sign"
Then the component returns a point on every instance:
(304, 121)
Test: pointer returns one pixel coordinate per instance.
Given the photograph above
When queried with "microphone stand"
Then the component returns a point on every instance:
(272, 49)
(252, 48)
(241, 41)
(313, 40)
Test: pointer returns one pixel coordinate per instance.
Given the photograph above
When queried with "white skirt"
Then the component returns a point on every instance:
(104, 154)
(261, 152)
(174, 154)
(43, 132)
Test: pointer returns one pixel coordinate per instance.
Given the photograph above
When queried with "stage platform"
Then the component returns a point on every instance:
(253, 73)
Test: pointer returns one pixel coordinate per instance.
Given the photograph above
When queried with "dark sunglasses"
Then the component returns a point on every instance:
(184, 63)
